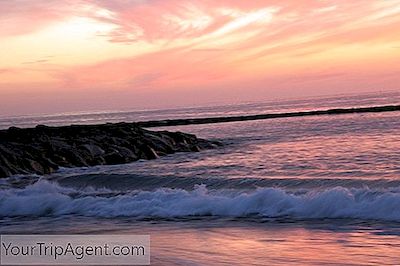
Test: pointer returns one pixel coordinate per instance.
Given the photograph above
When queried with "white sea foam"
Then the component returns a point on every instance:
(44, 198)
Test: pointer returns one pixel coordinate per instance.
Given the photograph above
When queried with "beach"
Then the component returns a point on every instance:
(197, 132)
(286, 191)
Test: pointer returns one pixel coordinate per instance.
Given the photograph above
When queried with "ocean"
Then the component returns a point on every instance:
(320, 190)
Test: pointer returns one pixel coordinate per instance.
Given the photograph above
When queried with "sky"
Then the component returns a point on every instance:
(80, 55)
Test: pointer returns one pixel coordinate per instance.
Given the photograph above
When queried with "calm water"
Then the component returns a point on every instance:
(293, 191)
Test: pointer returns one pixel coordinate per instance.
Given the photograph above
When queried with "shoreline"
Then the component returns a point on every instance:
(226, 119)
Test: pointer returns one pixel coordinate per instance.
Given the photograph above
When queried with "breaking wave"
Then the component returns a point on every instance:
(50, 199)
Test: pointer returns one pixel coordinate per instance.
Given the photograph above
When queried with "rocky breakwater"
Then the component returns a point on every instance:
(42, 150)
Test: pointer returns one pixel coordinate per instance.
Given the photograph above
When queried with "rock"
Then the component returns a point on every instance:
(126, 153)
(36, 167)
(225, 119)
(4, 171)
(43, 149)
(196, 148)
(94, 150)
(114, 158)
(149, 152)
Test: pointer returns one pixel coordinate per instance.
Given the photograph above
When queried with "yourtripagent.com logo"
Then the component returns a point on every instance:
(75, 250)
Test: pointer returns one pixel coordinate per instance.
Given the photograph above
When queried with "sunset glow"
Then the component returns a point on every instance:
(74, 55)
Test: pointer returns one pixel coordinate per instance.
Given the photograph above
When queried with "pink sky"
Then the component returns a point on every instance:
(76, 55)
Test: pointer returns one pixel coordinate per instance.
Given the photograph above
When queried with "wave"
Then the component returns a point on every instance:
(50, 199)
(126, 182)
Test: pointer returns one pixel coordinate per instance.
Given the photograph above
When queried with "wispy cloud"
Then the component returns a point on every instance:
(174, 45)
(35, 62)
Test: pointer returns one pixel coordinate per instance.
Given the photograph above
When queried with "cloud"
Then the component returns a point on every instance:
(24, 16)
(202, 42)
(181, 46)
(145, 80)
(35, 62)
(173, 19)
(5, 70)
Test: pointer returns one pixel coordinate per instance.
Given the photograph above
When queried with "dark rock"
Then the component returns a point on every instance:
(94, 150)
(149, 153)
(114, 158)
(225, 119)
(43, 149)
(126, 153)
(4, 171)
(36, 167)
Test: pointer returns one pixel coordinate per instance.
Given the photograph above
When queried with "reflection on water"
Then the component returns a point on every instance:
(275, 246)
(208, 241)
(260, 195)
(347, 146)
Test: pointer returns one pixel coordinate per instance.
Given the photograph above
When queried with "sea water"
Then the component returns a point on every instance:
(290, 191)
